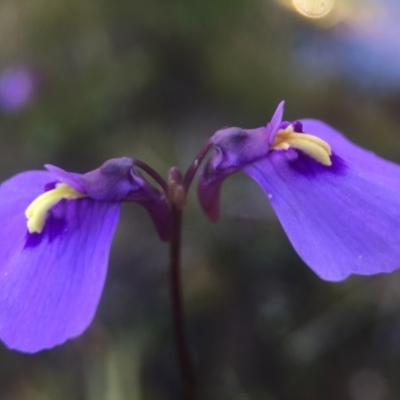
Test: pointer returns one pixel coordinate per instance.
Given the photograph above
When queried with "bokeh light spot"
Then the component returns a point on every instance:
(313, 8)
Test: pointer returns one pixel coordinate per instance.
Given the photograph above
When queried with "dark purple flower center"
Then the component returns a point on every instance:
(56, 224)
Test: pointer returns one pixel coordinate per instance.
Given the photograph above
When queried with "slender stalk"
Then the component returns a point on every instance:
(153, 173)
(185, 364)
(191, 172)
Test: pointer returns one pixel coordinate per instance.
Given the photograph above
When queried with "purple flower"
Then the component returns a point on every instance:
(339, 204)
(56, 233)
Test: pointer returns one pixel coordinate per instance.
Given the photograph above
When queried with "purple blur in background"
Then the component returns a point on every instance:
(18, 86)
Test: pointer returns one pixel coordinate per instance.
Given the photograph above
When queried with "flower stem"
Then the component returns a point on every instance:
(153, 173)
(191, 172)
(185, 364)
(178, 187)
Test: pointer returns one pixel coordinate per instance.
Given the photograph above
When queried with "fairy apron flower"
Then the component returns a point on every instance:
(56, 232)
(338, 203)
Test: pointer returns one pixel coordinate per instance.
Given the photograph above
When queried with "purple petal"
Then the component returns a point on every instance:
(208, 192)
(69, 178)
(50, 287)
(342, 219)
(233, 149)
(355, 156)
(159, 211)
(113, 180)
(275, 123)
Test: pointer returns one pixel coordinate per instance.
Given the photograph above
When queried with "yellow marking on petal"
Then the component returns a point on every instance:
(36, 212)
(311, 145)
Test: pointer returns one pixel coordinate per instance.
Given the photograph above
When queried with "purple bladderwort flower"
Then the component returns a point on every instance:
(56, 234)
(339, 204)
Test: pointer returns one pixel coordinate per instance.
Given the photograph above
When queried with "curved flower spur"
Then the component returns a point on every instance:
(339, 204)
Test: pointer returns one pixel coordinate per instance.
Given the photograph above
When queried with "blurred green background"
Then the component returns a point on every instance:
(82, 81)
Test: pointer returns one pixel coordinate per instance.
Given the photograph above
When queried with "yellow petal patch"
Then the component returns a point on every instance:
(37, 210)
(311, 145)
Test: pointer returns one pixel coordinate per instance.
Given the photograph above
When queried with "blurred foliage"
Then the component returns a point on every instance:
(153, 80)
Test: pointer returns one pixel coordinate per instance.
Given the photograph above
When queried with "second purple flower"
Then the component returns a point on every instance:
(338, 203)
